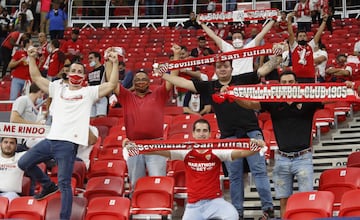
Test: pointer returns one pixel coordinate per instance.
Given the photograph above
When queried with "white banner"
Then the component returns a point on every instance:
(17, 130)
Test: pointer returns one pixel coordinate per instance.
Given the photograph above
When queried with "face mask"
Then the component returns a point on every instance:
(302, 42)
(75, 79)
(92, 63)
(238, 43)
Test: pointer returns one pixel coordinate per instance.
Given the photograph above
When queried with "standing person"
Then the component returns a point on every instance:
(72, 48)
(196, 104)
(205, 199)
(292, 123)
(11, 175)
(125, 76)
(97, 76)
(303, 15)
(236, 122)
(57, 19)
(71, 107)
(144, 120)
(55, 60)
(43, 50)
(320, 60)
(199, 51)
(242, 65)
(19, 66)
(191, 22)
(29, 17)
(7, 49)
(302, 51)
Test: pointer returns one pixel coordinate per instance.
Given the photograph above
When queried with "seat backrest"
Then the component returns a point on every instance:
(78, 208)
(309, 205)
(353, 159)
(153, 194)
(4, 203)
(26, 185)
(339, 180)
(109, 208)
(27, 207)
(104, 186)
(350, 204)
(108, 168)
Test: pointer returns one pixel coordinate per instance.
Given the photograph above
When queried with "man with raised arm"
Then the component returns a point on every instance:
(71, 107)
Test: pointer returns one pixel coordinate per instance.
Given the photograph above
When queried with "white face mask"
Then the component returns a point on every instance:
(92, 63)
(238, 43)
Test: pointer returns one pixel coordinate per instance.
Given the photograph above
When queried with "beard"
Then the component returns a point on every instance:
(302, 42)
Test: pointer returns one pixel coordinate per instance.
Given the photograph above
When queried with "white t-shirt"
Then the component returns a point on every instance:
(303, 18)
(10, 174)
(71, 112)
(320, 68)
(242, 65)
(357, 46)
(26, 108)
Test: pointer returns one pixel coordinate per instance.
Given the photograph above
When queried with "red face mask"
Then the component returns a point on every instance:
(76, 80)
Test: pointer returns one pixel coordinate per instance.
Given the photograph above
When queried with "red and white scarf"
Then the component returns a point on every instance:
(300, 9)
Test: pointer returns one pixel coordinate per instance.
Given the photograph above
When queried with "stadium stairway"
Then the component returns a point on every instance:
(331, 152)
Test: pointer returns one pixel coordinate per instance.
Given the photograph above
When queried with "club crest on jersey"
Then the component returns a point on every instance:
(208, 156)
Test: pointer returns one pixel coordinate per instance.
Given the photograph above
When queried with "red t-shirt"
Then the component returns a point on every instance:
(144, 116)
(72, 48)
(44, 54)
(6, 43)
(202, 168)
(21, 71)
(307, 69)
(56, 63)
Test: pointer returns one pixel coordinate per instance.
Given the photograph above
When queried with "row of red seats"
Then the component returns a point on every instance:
(337, 195)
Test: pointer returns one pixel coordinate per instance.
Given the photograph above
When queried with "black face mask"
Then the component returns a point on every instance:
(64, 76)
(302, 42)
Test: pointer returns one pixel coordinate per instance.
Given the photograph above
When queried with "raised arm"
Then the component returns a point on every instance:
(35, 75)
(180, 82)
(260, 36)
(211, 33)
(274, 60)
(291, 37)
(107, 87)
(176, 49)
(321, 29)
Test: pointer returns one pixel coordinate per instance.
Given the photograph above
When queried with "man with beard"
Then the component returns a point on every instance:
(10, 174)
(144, 120)
(302, 51)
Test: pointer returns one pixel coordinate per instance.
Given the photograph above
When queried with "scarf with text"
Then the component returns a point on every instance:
(266, 49)
(312, 92)
(239, 16)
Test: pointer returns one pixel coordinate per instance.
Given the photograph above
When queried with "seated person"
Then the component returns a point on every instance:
(10, 174)
(341, 72)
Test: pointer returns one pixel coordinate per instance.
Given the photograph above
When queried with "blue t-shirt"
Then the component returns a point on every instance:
(56, 19)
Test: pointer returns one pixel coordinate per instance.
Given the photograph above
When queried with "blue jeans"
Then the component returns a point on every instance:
(210, 209)
(155, 165)
(64, 153)
(17, 86)
(286, 169)
(258, 170)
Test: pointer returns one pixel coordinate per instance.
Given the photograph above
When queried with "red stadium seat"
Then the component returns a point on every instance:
(109, 208)
(176, 169)
(173, 110)
(323, 120)
(114, 139)
(78, 208)
(116, 112)
(353, 159)
(104, 186)
(79, 173)
(4, 203)
(26, 185)
(110, 153)
(105, 121)
(153, 195)
(338, 181)
(28, 208)
(350, 204)
(309, 205)
(108, 168)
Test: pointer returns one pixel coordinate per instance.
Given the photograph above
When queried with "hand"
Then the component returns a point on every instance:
(349, 84)
(290, 16)
(131, 147)
(278, 48)
(224, 89)
(325, 17)
(255, 144)
(32, 52)
(113, 57)
(198, 19)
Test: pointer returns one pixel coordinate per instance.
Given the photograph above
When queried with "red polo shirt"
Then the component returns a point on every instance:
(72, 48)
(144, 116)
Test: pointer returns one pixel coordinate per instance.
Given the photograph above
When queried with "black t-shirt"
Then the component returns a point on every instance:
(292, 126)
(232, 119)
(97, 76)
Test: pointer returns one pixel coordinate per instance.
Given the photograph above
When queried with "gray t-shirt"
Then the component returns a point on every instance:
(26, 108)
